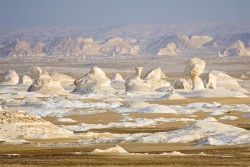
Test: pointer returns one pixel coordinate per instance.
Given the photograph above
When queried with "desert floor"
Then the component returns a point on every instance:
(24, 155)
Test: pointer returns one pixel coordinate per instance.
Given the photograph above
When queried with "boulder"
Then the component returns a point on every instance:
(182, 84)
(26, 80)
(47, 86)
(118, 82)
(194, 67)
(9, 77)
(154, 79)
(95, 81)
(209, 81)
(136, 83)
(226, 81)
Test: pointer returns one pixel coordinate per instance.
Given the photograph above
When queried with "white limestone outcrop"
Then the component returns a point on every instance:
(194, 67)
(155, 79)
(137, 84)
(95, 81)
(47, 86)
(9, 77)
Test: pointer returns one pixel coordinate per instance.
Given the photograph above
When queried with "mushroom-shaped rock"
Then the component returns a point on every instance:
(9, 77)
(26, 80)
(95, 81)
(136, 83)
(209, 81)
(47, 86)
(154, 78)
(194, 68)
(182, 84)
(118, 82)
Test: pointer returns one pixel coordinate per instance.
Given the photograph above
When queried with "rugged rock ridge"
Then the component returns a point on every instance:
(19, 48)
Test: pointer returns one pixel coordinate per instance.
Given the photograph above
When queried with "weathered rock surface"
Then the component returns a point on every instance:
(14, 124)
(237, 48)
(155, 79)
(19, 48)
(225, 81)
(47, 86)
(95, 81)
(9, 77)
(26, 80)
(137, 84)
(209, 81)
(194, 68)
(169, 50)
(182, 84)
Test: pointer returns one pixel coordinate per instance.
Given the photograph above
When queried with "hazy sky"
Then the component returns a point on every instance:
(116, 12)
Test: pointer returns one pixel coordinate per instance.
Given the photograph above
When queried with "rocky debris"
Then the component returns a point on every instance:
(209, 81)
(37, 73)
(169, 50)
(19, 48)
(225, 81)
(245, 75)
(117, 82)
(155, 79)
(73, 46)
(95, 81)
(47, 86)
(119, 46)
(136, 83)
(237, 48)
(16, 124)
(9, 77)
(64, 79)
(26, 80)
(113, 150)
(182, 84)
(194, 67)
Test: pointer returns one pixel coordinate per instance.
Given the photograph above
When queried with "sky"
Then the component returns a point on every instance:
(120, 12)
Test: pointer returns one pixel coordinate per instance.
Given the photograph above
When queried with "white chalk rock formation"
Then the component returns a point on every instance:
(118, 82)
(95, 81)
(26, 80)
(182, 84)
(9, 77)
(154, 79)
(37, 73)
(16, 124)
(237, 49)
(64, 79)
(209, 81)
(1, 109)
(245, 75)
(117, 77)
(194, 68)
(169, 50)
(47, 86)
(226, 81)
(113, 150)
(137, 84)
